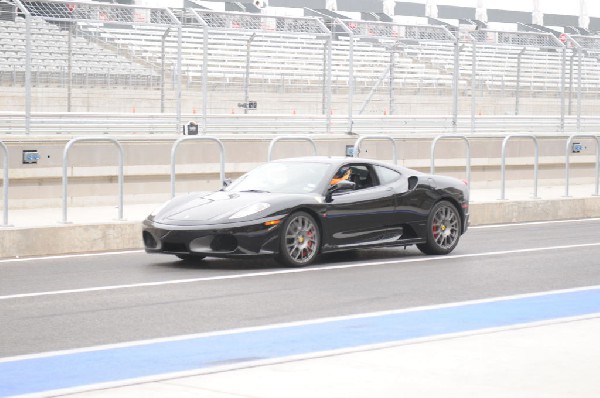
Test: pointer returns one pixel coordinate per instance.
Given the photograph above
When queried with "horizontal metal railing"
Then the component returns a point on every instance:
(140, 123)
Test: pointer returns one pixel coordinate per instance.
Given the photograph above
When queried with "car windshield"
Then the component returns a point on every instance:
(282, 177)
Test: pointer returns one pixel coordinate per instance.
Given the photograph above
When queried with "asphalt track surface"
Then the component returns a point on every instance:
(72, 302)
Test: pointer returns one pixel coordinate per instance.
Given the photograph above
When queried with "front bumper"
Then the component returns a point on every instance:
(250, 238)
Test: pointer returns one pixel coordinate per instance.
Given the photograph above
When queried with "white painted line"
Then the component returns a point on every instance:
(533, 223)
(65, 256)
(294, 271)
(301, 323)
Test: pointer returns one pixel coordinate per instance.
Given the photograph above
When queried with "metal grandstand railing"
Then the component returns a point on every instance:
(79, 58)
(393, 38)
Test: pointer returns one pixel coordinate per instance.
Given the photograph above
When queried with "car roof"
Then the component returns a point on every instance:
(333, 160)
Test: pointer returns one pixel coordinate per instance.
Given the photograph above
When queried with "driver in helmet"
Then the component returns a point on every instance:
(343, 173)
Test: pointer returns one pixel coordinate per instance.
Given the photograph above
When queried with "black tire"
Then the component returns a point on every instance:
(443, 229)
(190, 257)
(299, 240)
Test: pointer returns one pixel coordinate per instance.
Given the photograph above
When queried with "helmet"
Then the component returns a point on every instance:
(343, 173)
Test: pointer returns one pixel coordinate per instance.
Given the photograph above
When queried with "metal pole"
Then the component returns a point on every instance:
(350, 82)
(324, 95)
(392, 60)
(562, 89)
(329, 78)
(518, 89)
(571, 82)
(27, 73)
(204, 76)
(579, 72)
(247, 77)
(70, 67)
(179, 69)
(162, 70)
(473, 85)
(455, 77)
(205, 32)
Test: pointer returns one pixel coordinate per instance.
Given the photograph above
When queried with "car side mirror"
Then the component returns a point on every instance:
(227, 182)
(343, 185)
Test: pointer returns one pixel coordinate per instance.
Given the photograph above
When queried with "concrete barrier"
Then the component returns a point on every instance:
(85, 238)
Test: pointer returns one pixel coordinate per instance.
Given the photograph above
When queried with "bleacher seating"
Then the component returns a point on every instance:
(105, 55)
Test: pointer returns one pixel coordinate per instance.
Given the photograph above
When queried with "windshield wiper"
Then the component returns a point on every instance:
(255, 191)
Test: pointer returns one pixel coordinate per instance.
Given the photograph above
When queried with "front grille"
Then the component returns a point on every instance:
(174, 247)
(224, 243)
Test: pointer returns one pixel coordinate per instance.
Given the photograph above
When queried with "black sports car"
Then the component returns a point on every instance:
(294, 209)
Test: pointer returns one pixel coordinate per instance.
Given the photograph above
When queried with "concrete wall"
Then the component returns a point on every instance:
(92, 167)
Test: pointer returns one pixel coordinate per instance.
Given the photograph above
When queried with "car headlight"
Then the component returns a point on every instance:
(249, 210)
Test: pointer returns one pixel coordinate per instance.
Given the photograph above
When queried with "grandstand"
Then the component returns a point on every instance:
(143, 63)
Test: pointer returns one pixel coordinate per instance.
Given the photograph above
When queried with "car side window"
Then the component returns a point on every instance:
(361, 175)
(387, 176)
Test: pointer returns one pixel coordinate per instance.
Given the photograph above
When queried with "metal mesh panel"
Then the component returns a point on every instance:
(262, 23)
(517, 39)
(98, 12)
(383, 30)
(590, 43)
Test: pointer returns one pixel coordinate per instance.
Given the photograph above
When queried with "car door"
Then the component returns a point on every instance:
(361, 216)
(412, 200)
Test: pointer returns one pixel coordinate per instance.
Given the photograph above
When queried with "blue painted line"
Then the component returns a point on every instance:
(37, 375)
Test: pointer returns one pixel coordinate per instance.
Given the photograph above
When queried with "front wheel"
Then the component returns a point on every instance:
(443, 229)
(299, 240)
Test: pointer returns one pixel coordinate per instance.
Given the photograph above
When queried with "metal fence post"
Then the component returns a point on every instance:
(196, 138)
(467, 153)
(65, 177)
(535, 164)
(356, 148)
(290, 138)
(455, 77)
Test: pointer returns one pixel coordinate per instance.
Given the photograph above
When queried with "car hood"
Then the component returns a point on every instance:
(218, 207)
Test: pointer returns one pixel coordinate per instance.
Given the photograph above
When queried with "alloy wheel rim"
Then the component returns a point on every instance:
(301, 239)
(445, 227)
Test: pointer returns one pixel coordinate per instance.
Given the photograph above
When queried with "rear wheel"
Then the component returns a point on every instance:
(299, 241)
(443, 229)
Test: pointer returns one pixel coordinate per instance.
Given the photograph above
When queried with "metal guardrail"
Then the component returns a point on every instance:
(195, 138)
(290, 138)
(356, 148)
(568, 149)
(138, 123)
(467, 152)
(5, 183)
(65, 179)
(535, 165)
